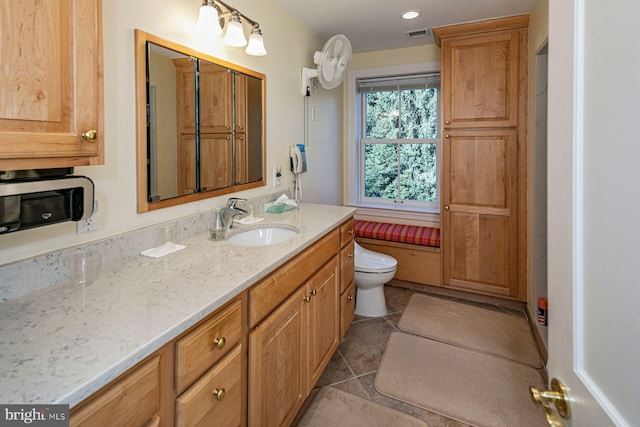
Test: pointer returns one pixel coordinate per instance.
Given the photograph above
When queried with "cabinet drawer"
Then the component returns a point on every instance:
(205, 345)
(346, 265)
(273, 290)
(347, 308)
(347, 231)
(132, 401)
(215, 399)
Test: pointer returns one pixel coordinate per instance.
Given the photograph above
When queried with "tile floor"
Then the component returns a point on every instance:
(354, 365)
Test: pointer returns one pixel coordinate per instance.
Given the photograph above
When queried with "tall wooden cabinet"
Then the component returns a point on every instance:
(51, 84)
(484, 75)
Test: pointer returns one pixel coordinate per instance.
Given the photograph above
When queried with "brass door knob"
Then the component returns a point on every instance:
(219, 393)
(90, 135)
(556, 396)
(313, 291)
(219, 343)
(306, 299)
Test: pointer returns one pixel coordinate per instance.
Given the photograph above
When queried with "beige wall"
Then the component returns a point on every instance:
(290, 46)
(538, 36)
(408, 55)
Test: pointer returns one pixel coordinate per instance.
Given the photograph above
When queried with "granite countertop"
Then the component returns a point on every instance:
(61, 344)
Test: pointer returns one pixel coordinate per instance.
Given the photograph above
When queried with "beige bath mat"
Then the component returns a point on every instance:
(493, 332)
(465, 385)
(332, 407)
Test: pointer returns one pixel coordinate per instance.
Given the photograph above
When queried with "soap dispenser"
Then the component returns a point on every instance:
(218, 229)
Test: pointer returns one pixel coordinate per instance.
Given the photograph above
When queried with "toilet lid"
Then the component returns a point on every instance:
(367, 261)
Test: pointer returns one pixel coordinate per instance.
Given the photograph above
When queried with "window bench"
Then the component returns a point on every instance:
(416, 248)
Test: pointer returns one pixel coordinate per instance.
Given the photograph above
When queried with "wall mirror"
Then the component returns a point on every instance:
(200, 125)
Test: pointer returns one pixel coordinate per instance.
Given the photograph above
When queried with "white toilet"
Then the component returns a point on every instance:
(372, 271)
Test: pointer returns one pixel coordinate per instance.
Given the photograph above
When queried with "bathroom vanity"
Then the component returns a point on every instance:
(216, 331)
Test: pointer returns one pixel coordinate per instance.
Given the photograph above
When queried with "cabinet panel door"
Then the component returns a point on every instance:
(479, 245)
(480, 80)
(324, 319)
(216, 161)
(50, 84)
(216, 98)
(277, 377)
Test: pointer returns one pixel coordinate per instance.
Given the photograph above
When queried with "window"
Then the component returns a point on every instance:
(397, 140)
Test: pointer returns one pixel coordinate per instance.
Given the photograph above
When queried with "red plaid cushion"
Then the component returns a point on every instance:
(413, 234)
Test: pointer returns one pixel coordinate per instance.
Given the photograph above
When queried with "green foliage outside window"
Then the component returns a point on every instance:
(403, 169)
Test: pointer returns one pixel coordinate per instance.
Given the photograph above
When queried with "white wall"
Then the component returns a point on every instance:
(290, 46)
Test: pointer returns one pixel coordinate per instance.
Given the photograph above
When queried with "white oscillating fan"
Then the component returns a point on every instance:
(332, 63)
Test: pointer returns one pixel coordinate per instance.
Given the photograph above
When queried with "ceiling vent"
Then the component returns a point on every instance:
(415, 34)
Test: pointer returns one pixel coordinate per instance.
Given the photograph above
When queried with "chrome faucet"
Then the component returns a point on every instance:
(232, 210)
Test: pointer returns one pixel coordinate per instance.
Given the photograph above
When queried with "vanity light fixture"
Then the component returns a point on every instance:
(216, 14)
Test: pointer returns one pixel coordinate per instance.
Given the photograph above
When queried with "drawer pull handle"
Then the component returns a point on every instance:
(306, 299)
(219, 344)
(350, 298)
(90, 135)
(313, 291)
(219, 393)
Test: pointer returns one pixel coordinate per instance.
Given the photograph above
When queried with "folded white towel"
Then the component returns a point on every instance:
(163, 250)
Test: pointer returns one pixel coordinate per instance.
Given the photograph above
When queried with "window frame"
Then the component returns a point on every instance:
(354, 149)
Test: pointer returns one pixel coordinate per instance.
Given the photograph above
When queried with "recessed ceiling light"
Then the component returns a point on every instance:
(410, 14)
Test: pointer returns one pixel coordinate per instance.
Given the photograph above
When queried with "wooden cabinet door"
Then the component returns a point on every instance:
(185, 95)
(323, 319)
(216, 99)
(277, 378)
(216, 161)
(480, 80)
(241, 103)
(186, 164)
(51, 89)
(480, 221)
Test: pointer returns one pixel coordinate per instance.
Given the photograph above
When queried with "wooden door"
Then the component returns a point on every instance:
(216, 162)
(51, 89)
(480, 80)
(323, 319)
(186, 164)
(277, 378)
(216, 98)
(480, 222)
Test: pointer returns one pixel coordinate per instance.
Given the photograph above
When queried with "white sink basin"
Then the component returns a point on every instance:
(268, 235)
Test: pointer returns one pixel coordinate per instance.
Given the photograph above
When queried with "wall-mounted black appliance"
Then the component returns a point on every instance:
(31, 199)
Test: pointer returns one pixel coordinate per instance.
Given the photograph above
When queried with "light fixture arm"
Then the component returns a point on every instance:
(229, 11)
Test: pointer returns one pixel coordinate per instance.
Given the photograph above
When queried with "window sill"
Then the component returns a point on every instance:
(397, 214)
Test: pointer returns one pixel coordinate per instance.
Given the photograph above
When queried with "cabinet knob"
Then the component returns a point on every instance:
(446, 208)
(447, 122)
(313, 291)
(241, 127)
(219, 393)
(227, 127)
(306, 299)
(350, 255)
(350, 231)
(446, 135)
(219, 343)
(90, 135)
(350, 298)
(228, 138)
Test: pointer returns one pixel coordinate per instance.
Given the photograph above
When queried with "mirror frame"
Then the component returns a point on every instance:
(143, 203)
